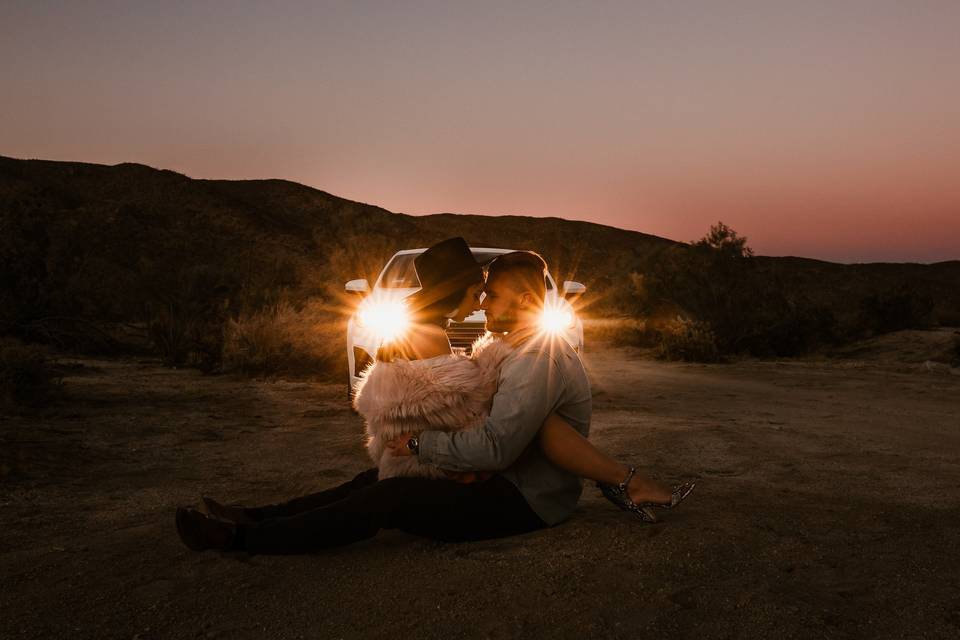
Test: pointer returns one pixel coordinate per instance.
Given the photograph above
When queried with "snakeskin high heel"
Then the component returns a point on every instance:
(617, 494)
(677, 495)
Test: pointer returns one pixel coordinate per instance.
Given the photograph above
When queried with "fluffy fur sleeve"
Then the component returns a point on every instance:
(447, 393)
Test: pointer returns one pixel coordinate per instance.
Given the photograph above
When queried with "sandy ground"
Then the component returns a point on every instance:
(826, 507)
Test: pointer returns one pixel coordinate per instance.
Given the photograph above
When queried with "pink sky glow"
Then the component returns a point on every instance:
(824, 129)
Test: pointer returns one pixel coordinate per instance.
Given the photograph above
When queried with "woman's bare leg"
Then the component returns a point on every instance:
(566, 448)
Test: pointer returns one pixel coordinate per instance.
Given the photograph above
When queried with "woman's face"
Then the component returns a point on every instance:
(469, 303)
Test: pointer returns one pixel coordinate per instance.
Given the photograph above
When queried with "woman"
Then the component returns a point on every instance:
(391, 405)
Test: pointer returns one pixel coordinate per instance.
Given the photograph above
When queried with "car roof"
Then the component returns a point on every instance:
(404, 252)
(496, 250)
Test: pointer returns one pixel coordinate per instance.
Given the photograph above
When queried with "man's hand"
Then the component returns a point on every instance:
(398, 446)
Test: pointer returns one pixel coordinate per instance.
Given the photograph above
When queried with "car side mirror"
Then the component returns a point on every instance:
(357, 286)
(573, 290)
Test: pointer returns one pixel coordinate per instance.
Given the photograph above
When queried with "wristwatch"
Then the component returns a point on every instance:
(414, 445)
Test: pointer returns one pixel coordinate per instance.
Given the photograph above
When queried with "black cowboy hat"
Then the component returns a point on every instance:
(444, 269)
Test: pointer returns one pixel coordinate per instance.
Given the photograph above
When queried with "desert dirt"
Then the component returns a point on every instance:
(826, 507)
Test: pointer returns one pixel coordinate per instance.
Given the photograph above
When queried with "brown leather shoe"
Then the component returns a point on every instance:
(239, 515)
(200, 532)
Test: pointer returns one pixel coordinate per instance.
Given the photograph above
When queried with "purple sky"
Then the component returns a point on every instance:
(822, 129)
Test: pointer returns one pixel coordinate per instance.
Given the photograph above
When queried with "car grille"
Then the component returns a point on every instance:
(463, 334)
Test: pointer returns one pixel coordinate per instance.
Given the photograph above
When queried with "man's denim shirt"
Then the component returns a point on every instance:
(542, 376)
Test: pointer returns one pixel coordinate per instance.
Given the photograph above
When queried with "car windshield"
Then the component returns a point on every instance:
(486, 257)
(402, 274)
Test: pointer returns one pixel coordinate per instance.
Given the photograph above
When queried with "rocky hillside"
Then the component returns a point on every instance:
(118, 245)
(104, 241)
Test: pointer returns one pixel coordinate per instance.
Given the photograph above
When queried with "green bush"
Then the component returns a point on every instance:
(26, 376)
(688, 340)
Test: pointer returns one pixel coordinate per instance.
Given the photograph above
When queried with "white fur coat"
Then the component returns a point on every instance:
(447, 393)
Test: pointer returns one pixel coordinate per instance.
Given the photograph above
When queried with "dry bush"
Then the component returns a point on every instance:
(948, 317)
(607, 329)
(186, 335)
(353, 256)
(688, 340)
(26, 375)
(636, 332)
(285, 339)
(739, 307)
(901, 308)
(171, 332)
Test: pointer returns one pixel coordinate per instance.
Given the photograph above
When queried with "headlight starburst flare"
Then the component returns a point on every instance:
(556, 318)
(386, 319)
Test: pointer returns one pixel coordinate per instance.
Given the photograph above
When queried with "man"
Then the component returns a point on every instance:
(543, 375)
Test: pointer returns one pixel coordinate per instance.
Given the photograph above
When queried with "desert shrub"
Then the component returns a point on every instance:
(620, 331)
(713, 280)
(902, 308)
(186, 315)
(747, 307)
(26, 375)
(171, 331)
(688, 340)
(712, 283)
(352, 256)
(285, 339)
(780, 326)
(23, 245)
(184, 335)
(948, 317)
(69, 334)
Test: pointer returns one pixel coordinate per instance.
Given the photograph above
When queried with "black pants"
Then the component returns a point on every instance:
(358, 509)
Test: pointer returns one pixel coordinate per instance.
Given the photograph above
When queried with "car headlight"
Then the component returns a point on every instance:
(386, 319)
(557, 318)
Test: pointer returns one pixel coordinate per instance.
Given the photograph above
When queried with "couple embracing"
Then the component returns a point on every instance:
(466, 448)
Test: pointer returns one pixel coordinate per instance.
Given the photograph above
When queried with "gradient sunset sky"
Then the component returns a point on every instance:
(822, 129)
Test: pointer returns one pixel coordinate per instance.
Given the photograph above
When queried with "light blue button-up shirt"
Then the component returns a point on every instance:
(542, 376)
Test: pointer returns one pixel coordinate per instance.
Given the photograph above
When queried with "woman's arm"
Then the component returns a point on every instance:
(565, 447)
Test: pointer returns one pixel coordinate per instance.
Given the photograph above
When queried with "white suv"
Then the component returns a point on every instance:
(381, 315)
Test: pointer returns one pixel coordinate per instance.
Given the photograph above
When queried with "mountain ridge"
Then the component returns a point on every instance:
(115, 242)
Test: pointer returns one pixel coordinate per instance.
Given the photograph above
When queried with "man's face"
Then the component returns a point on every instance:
(506, 309)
